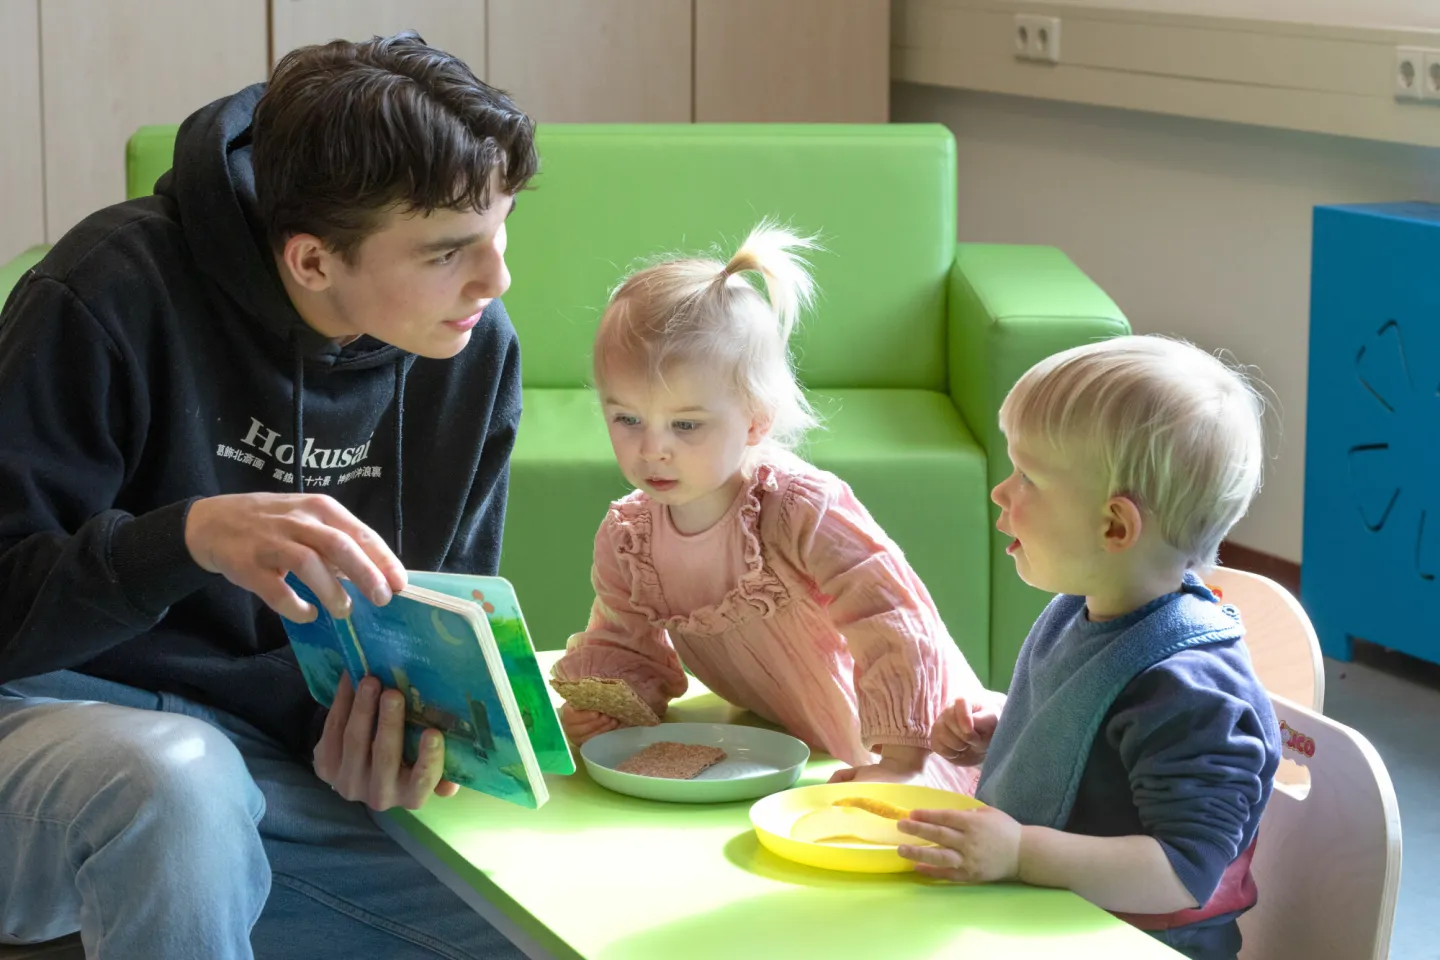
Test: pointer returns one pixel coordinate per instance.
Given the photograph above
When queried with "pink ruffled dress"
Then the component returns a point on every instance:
(795, 606)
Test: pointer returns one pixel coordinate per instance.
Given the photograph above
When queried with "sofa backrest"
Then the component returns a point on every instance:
(609, 198)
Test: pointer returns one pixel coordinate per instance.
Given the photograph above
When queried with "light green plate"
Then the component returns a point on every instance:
(757, 762)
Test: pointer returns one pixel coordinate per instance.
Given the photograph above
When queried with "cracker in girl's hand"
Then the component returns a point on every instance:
(614, 698)
(672, 761)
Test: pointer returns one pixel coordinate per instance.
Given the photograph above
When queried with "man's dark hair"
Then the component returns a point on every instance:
(346, 131)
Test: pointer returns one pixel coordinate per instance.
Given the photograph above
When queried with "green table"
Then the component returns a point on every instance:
(601, 876)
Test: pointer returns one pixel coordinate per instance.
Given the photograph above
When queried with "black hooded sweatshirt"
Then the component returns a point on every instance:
(152, 358)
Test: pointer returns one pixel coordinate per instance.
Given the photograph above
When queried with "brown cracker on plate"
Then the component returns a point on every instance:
(672, 761)
(614, 698)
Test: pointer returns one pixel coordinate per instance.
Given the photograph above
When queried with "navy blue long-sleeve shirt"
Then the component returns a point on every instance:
(1186, 754)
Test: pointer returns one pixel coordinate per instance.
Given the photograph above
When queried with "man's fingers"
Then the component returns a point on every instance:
(330, 748)
(339, 552)
(843, 776)
(364, 556)
(276, 594)
(354, 778)
(446, 789)
(425, 775)
(386, 750)
(319, 576)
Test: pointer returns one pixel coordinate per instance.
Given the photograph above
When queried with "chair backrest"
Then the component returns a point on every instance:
(610, 197)
(1282, 643)
(1327, 861)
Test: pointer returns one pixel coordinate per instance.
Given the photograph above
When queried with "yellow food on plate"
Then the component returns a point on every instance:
(852, 820)
(881, 808)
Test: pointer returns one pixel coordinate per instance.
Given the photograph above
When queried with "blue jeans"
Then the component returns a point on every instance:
(161, 828)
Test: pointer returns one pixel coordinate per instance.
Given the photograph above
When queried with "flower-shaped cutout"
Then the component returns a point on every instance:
(1392, 477)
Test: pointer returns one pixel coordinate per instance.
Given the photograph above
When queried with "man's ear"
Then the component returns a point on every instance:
(1123, 524)
(310, 263)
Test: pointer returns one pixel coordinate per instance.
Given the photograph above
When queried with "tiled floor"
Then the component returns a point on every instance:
(1395, 702)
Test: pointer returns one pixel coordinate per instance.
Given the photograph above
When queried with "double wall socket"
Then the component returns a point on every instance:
(1417, 74)
(1037, 38)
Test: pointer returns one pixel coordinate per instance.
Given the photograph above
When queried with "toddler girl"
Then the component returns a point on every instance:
(763, 574)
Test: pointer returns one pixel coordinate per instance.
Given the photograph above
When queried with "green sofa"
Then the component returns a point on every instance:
(912, 347)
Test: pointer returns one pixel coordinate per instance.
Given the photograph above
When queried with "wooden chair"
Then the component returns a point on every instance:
(1327, 861)
(1282, 643)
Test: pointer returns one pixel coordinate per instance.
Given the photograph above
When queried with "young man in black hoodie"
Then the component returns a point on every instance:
(292, 358)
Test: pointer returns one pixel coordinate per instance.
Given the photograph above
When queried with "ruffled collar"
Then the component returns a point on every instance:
(759, 592)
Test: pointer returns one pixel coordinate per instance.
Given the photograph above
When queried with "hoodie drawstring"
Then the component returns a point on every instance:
(299, 406)
(298, 403)
(400, 371)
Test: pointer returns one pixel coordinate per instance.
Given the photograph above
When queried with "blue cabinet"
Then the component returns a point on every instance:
(1372, 439)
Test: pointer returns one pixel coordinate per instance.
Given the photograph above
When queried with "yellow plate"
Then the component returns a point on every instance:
(773, 817)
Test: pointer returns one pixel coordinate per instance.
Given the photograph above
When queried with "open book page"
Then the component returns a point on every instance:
(496, 597)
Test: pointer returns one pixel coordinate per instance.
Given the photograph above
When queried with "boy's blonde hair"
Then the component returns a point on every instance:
(1167, 424)
(708, 314)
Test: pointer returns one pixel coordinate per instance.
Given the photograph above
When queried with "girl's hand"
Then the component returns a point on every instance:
(973, 846)
(963, 730)
(898, 764)
(878, 773)
(581, 725)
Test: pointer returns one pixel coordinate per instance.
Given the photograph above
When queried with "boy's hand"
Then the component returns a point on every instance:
(963, 730)
(581, 725)
(974, 846)
(360, 757)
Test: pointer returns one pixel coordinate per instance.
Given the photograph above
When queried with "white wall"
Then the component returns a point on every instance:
(1197, 229)
(1423, 14)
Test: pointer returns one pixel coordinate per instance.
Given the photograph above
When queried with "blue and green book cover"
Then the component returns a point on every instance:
(456, 646)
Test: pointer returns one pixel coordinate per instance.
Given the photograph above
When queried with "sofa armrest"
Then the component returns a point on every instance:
(10, 273)
(1010, 307)
(148, 155)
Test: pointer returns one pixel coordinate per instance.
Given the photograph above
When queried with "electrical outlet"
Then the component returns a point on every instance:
(1430, 76)
(1038, 38)
(1410, 76)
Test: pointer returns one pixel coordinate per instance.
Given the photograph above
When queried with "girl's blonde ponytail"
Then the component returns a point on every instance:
(770, 251)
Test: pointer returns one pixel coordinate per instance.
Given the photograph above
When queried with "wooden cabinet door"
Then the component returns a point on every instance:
(455, 26)
(601, 61)
(22, 178)
(792, 61)
(109, 66)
